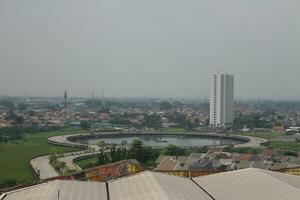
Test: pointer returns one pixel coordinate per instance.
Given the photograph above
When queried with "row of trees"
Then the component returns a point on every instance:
(115, 155)
(7, 104)
(11, 133)
(144, 154)
(10, 105)
(163, 105)
(57, 165)
(245, 150)
(150, 121)
(137, 150)
(154, 121)
(17, 119)
(254, 121)
(18, 132)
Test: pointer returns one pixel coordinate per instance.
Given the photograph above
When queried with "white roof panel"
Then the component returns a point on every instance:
(250, 184)
(66, 190)
(155, 186)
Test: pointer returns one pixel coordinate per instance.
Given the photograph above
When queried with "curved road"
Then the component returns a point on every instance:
(254, 142)
(42, 167)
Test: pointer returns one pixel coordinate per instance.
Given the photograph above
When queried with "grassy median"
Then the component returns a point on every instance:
(87, 163)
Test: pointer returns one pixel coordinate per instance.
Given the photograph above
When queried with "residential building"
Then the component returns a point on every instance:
(221, 99)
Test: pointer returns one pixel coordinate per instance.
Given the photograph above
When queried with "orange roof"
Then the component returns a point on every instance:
(243, 157)
(215, 149)
(267, 152)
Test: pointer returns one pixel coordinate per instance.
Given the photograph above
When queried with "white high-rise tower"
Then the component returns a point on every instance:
(221, 99)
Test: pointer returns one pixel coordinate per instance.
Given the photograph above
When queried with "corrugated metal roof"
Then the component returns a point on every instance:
(289, 179)
(66, 190)
(250, 184)
(155, 186)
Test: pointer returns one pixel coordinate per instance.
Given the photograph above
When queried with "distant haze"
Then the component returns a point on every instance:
(149, 48)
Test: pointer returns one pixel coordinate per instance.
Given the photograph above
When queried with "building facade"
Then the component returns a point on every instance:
(221, 99)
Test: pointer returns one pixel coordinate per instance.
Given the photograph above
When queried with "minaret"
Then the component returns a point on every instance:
(66, 99)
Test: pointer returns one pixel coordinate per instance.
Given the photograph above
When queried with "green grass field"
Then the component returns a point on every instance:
(294, 146)
(266, 135)
(83, 163)
(14, 156)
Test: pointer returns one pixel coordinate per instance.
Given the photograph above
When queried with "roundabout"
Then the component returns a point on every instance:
(88, 142)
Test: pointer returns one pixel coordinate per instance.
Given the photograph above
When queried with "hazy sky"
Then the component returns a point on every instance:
(149, 48)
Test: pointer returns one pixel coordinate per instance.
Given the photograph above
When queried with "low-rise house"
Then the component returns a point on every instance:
(241, 157)
(267, 153)
(168, 164)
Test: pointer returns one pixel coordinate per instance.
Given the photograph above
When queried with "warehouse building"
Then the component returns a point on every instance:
(247, 184)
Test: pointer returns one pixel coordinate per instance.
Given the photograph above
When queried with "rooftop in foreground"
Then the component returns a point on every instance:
(245, 184)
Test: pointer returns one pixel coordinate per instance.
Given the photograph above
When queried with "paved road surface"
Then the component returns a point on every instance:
(68, 159)
(41, 165)
(254, 142)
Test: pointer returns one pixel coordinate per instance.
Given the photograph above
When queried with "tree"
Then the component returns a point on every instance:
(196, 122)
(93, 103)
(141, 153)
(52, 159)
(177, 104)
(164, 105)
(123, 154)
(101, 144)
(122, 121)
(176, 117)
(19, 119)
(113, 153)
(11, 133)
(150, 154)
(135, 150)
(22, 106)
(32, 113)
(104, 110)
(187, 124)
(118, 154)
(173, 150)
(84, 125)
(8, 104)
(101, 158)
(152, 121)
(252, 121)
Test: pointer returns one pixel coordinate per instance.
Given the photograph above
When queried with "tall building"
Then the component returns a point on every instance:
(221, 99)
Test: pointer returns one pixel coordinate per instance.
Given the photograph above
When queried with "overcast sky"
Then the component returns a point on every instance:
(149, 48)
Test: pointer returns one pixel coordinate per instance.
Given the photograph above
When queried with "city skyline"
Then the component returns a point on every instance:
(153, 99)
